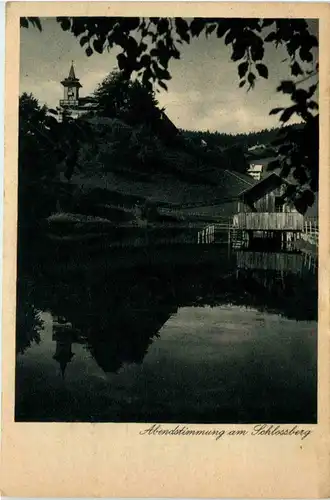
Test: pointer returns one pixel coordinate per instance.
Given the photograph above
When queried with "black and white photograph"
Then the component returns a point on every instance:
(168, 223)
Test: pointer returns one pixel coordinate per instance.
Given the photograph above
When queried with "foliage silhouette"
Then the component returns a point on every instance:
(129, 101)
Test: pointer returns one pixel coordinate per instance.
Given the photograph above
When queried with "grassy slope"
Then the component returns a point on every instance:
(178, 180)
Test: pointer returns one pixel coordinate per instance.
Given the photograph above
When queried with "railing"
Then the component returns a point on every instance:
(310, 231)
(311, 226)
(68, 102)
(207, 235)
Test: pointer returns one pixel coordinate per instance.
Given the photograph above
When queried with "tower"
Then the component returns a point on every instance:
(63, 353)
(71, 86)
(62, 334)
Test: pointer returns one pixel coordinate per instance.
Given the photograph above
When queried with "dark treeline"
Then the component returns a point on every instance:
(246, 140)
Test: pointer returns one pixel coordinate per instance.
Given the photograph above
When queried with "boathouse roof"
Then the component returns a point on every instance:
(261, 188)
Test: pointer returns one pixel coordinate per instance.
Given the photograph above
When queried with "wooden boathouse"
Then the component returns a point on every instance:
(263, 214)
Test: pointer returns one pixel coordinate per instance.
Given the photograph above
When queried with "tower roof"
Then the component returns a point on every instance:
(71, 80)
(72, 75)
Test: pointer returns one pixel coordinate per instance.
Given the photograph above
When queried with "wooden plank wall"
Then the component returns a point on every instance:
(285, 262)
(264, 221)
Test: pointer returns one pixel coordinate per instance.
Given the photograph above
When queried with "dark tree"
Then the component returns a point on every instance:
(126, 100)
(35, 165)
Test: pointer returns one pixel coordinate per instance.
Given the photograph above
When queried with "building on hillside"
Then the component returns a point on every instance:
(255, 170)
(258, 167)
(72, 104)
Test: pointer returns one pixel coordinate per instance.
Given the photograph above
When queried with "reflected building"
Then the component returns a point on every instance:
(64, 336)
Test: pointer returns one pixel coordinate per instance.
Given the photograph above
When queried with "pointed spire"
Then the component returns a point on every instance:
(71, 80)
(63, 365)
(72, 75)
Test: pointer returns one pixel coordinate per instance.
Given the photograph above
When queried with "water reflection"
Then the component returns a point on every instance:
(176, 335)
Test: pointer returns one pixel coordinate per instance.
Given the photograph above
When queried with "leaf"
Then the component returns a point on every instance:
(65, 23)
(163, 26)
(142, 47)
(163, 85)
(182, 29)
(262, 70)
(267, 22)
(23, 22)
(238, 51)
(312, 41)
(299, 174)
(275, 111)
(83, 40)
(210, 29)
(36, 22)
(287, 113)
(242, 69)
(296, 69)
(290, 191)
(197, 26)
(161, 74)
(271, 37)
(98, 46)
(89, 51)
(257, 50)
(131, 46)
(230, 37)
(145, 60)
(305, 55)
(287, 87)
(308, 197)
(312, 90)
(251, 78)
(300, 96)
(222, 28)
(312, 105)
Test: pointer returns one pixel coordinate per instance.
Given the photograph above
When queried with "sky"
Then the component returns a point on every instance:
(202, 95)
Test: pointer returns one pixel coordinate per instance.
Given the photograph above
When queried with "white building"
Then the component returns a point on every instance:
(255, 170)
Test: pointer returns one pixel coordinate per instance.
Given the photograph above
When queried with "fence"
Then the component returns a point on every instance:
(311, 226)
(310, 231)
(207, 235)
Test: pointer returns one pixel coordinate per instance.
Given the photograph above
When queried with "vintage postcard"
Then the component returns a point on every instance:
(166, 250)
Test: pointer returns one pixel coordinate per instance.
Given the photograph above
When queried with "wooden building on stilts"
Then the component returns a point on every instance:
(264, 219)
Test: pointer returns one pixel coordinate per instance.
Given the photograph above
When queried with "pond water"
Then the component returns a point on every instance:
(190, 335)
